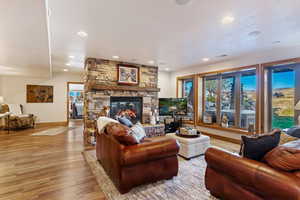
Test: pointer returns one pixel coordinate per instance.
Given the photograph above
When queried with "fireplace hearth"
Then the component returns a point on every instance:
(131, 106)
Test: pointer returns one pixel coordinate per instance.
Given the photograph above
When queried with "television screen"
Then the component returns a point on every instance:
(168, 106)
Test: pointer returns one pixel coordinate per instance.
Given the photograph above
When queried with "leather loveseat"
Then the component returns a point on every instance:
(132, 165)
(233, 177)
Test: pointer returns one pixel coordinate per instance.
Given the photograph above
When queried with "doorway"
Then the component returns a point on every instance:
(75, 101)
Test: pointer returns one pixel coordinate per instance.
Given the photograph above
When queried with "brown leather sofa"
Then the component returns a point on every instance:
(129, 166)
(232, 177)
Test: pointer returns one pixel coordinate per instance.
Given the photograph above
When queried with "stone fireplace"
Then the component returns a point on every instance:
(133, 106)
(102, 89)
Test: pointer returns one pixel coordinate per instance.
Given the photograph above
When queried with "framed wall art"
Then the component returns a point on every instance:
(39, 94)
(128, 74)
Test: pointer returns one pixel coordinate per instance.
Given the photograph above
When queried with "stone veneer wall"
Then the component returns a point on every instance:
(104, 72)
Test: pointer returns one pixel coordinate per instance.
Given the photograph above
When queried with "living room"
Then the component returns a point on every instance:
(180, 99)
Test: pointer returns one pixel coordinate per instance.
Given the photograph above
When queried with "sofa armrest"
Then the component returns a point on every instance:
(149, 150)
(266, 181)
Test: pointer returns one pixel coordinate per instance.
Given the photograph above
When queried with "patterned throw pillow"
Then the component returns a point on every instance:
(125, 121)
(285, 138)
(138, 132)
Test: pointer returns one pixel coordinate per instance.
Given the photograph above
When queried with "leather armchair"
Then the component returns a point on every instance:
(230, 176)
(129, 166)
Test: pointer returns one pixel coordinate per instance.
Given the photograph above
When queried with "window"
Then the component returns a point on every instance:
(230, 98)
(248, 99)
(211, 98)
(282, 93)
(186, 90)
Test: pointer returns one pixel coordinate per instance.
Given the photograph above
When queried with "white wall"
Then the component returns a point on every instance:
(1, 86)
(164, 84)
(13, 88)
(258, 57)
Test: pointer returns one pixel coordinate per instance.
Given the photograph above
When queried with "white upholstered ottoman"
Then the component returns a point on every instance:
(191, 147)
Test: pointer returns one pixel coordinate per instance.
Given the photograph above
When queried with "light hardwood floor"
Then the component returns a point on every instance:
(51, 167)
(45, 167)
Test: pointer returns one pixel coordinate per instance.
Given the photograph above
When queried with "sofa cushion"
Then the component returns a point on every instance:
(150, 149)
(256, 147)
(138, 132)
(121, 133)
(284, 158)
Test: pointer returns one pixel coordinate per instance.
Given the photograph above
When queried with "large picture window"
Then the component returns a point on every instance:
(283, 95)
(230, 98)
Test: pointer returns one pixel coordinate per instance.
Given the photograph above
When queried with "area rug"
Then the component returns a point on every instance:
(188, 185)
(52, 131)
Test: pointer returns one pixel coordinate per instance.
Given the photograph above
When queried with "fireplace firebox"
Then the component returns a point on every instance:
(131, 106)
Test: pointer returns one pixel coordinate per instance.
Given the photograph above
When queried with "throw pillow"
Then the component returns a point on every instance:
(121, 133)
(102, 122)
(294, 132)
(123, 120)
(284, 158)
(138, 132)
(256, 147)
(285, 138)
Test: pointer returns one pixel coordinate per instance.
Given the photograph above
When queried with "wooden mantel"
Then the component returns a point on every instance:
(96, 87)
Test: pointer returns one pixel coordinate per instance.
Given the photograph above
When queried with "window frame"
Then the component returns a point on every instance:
(237, 72)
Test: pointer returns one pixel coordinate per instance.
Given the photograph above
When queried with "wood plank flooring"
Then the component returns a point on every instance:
(51, 167)
(45, 167)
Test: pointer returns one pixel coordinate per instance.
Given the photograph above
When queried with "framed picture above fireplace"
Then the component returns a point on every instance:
(128, 75)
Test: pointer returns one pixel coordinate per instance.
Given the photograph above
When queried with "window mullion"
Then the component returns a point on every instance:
(238, 100)
(218, 107)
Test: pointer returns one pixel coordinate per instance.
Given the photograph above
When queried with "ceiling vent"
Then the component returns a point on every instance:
(182, 2)
(221, 56)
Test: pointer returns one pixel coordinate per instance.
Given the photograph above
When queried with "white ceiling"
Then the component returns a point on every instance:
(24, 45)
(143, 30)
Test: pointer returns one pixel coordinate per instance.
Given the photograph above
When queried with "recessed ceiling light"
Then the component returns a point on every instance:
(167, 69)
(82, 34)
(151, 62)
(254, 33)
(71, 57)
(68, 64)
(115, 57)
(65, 70)
(205, 59)
(227, 20)
(182, 2)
